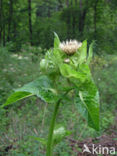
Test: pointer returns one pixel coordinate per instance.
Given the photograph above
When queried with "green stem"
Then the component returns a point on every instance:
(49, 151)
(50, 136)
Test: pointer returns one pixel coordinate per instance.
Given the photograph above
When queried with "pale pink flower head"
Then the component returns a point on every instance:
(70, 47)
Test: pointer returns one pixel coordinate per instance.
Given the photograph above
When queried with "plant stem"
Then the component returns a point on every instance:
(50, 135)
(49, 151)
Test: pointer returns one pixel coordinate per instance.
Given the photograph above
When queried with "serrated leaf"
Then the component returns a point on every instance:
(42, 87)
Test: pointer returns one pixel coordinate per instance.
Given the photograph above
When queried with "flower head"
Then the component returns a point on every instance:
(70, 47)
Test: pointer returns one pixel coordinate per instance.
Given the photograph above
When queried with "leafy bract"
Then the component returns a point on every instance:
(90, 54)
(43, 65)
(53, 57)
(57, 55)
(83, 52)
(69, 72)
(56, 41)
(42, 87)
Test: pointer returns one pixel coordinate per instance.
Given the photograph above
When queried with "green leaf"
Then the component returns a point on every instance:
(83, 52)
(69, 72)
(56, 41)
(57, 55)
(89, 97)
(42, 87)
(90, 54)
(80, 107)
(84, 68)
(91, 103)
(17, 96)
(59, 134)
(82, 81)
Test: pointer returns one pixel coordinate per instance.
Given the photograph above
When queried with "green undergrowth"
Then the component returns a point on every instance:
(31, 117)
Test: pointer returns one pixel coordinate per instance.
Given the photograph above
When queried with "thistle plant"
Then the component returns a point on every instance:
(64, 70)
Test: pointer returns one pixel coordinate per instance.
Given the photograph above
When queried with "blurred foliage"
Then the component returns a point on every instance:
(79, 19)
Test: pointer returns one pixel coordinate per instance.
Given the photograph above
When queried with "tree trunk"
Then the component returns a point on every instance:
(82, 20)
(0, 21)
(82, 17)
(73, 27)
(49, 13)
(60, 6)
(67, 3)
(2, 24)
(68, 27)
(10, 19)
(80, 4)
(30, 21)
(95, 19)
(76, 2)
(4, 41)
(14, 30)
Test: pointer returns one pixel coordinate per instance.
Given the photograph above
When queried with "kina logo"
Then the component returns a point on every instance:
(86, 149)
(99, 149)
